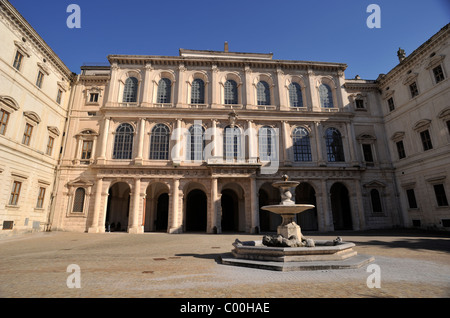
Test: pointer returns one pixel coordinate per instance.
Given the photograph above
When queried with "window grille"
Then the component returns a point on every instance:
(335, 149)
(198, 92)
(159, 143)
(78, 201)
(263, 93)
(326, 96)
(302, 145)
(231, 93)
(123, 142)
(130, 90)
(295, 95)
(164, 90)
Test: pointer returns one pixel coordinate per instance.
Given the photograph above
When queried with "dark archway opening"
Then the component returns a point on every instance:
(196, 211)
(230, 211)
(340, 205)
(118, 208)
(305, 194)
(162, 213)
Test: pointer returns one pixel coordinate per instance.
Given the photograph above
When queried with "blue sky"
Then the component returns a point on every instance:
(326, 31)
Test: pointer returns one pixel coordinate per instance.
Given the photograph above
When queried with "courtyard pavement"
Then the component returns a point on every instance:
(160, 265)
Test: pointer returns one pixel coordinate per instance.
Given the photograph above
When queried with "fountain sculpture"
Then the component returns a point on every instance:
(289, 249)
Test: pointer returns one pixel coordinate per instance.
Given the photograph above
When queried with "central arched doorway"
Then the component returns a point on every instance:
(305, 194)
(196, 211)
(157, 207)
(118, 207)
(268, 195)
(162, 212)
(340, 206)
(233, 208)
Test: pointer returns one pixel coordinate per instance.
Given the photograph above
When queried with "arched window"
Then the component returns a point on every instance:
(326, 96)
(267, 144)
(123, 142)
(164, 91)
(159, 143)
(335, 149)
(231, 93)
(301, 144)
(232, 143)
(130, 90)
(295, 95)
(78, 201)
(196, 143)
(198, 91)
(376, 200)
(263, 93)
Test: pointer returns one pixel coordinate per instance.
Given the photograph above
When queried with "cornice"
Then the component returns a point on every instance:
(416, 55)
(21, 23)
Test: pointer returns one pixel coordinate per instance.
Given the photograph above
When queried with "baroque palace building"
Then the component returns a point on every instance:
(193, 142)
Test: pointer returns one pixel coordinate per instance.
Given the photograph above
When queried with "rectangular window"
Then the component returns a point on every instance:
(4, 117)
(50, 143)
(391, 104)
(426, 140)
(441, 198)
(27, 134)
(438, 74)
(448, 126)
(359, 103)
(87, 149)
(40, 79)
(413, 89)
(367, 151)
(411, 199)
(58, 96)
(400, 149)
(18, 60)
(40, 200)
(15, 193)
(93, 98)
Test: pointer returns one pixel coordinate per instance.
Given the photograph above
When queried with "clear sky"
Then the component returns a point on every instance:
(326, 30)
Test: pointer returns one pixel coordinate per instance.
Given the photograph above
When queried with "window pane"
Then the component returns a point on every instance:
(27, 134)
(413, 89)
(231, 94)
(335, 149)
(426, 140)
(411, 199)
(301, 144)
(123, 143)
(15, 193)
(3, 121)
(295, 95)
(196, 143)
(40, 200)
(159, 143)
(438, 74)
(400, 150)
(441, 198)
(51, 140)
(326, 96)
(267, 144)
(78, 201)
(39, 79)
(376, 201)
(198, 92)
(164, 91)
(232, 143)
(130, 90)
(87, 149)
(391, 104)
(367, 151)
(263, 93)
(18, 60)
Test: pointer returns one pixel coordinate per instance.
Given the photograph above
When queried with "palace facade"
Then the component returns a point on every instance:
(193, 142)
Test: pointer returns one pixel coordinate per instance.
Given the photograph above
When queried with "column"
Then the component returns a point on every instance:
(147, 94)
(176, 156)
(326, 205)
(286, 144)
(351, 141)
(359, 222)
(97, 204)
(174, 226)
(311, 98)
(251, 133)
(180, 101)
(319, 141)
(215, 227)
(112, 97)
(281, 90)
(214, 85)
(136, 227)
(103, 141)
(254, 207)
(139, 158)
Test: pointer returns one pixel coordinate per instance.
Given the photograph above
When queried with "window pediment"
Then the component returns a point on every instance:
(9, 102)
(375, 184)
(22, 48)
(435, 61)
(410, 78)
(398, 136)
(53, 130)
(32, 116)
(422, 124)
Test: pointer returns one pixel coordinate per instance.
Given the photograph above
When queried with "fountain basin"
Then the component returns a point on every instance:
(321, 257)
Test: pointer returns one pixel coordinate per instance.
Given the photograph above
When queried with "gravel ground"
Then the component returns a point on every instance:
(156, 265)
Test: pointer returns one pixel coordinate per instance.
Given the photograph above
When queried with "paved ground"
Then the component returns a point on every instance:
(117, 265)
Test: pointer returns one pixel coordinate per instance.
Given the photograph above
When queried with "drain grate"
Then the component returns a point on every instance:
(147, 272)
(159, 259)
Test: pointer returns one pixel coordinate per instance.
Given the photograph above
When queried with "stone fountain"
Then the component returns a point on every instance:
(289, 249)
